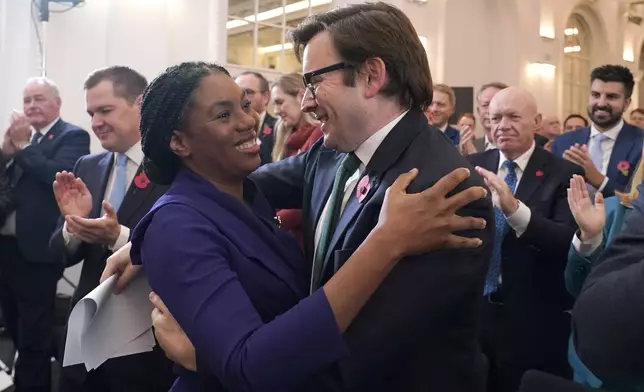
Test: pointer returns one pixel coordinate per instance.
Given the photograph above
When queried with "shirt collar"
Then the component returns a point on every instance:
(444, 127)
(366, 150)
(262, 117)
(135, 154)
(610, 133)
(487, 142)
(47, 127)
(521, 161)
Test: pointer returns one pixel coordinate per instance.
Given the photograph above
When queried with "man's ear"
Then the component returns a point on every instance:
(374, 72)
(538, 121)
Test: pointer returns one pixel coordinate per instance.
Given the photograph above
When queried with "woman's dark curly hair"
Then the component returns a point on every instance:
(165, 104)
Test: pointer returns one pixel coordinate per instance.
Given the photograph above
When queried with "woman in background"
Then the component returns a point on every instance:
(295, 132)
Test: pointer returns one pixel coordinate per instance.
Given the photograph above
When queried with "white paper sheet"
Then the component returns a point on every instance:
(104, 325)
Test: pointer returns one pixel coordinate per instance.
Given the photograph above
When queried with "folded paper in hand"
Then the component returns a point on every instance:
(105, 325)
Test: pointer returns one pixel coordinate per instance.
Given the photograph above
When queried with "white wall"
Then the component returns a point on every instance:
(147, 35)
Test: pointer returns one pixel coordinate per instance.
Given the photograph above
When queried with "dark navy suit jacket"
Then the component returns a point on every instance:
(453, 134)
(237, 285)
(267, 139)
(132, 371)
(628, 148)
(33, 173)
(419, 331)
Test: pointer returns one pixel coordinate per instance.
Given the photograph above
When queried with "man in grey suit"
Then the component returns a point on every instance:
(483, 98)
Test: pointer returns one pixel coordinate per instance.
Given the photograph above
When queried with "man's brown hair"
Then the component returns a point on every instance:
(365, 31)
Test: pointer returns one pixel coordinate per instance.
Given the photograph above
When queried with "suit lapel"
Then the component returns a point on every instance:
(50, 138)
(622, 148)
(385, 156)
(134, 197)
(351, 211)
(491, 162)
(328, 164)
(533, 176)
(583, 137)
(104, 170)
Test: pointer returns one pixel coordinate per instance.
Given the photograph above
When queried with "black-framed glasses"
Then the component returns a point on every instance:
(308, 77)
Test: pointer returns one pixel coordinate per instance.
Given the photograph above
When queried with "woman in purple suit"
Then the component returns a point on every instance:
(212, 250)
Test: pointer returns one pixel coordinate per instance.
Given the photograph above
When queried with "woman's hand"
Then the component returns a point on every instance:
(121, 264)
(425, 221)
(171, 337)
(590, 218)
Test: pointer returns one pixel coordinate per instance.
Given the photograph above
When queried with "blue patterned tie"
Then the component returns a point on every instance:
(120, 181)
(492, 278)
(35, 139)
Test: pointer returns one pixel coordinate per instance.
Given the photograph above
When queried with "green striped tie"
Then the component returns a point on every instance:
(349, 165)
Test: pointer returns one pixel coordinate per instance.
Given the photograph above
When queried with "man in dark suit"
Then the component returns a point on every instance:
(440, 110)
(524, 321)
(91, 230)
(419, 330)
(258, 92)
(608, 318)
(610, 149)
(39, 144)
(7, 202)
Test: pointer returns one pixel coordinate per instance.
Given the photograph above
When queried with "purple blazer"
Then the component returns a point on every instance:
(237, 285)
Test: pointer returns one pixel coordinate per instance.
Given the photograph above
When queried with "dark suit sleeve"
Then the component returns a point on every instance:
(6, 196)
(282, 183)
(73, 145)
(610, 188)
(553, 236)
(57, 242)
(557, 148)
(608, 317)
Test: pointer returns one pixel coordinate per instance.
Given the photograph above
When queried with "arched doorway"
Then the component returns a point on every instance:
(578, 46)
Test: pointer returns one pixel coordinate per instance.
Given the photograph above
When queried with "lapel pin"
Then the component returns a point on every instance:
(267, 130)
(141, 181)
(363, 188)
(50, 136)
(539, 173)
(623, 167)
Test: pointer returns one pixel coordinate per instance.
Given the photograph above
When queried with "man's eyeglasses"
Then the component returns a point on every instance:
(308, 77)
(250, 92)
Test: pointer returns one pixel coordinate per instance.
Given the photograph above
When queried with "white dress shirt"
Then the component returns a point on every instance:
(9, 227)
(364, 152)
(607, 147)
(488, 144)
(134, 159)
(520, 219)
(444, 127)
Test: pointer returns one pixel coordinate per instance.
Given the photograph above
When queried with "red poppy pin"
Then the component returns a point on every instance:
(141, 181)
(50, 136)
(623, 167)
(363, 188)
(539, 173)
(267, 130)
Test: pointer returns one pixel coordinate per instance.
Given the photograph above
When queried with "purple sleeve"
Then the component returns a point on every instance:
(186, 263)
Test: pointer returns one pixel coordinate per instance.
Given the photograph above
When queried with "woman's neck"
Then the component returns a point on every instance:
(234, 188)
